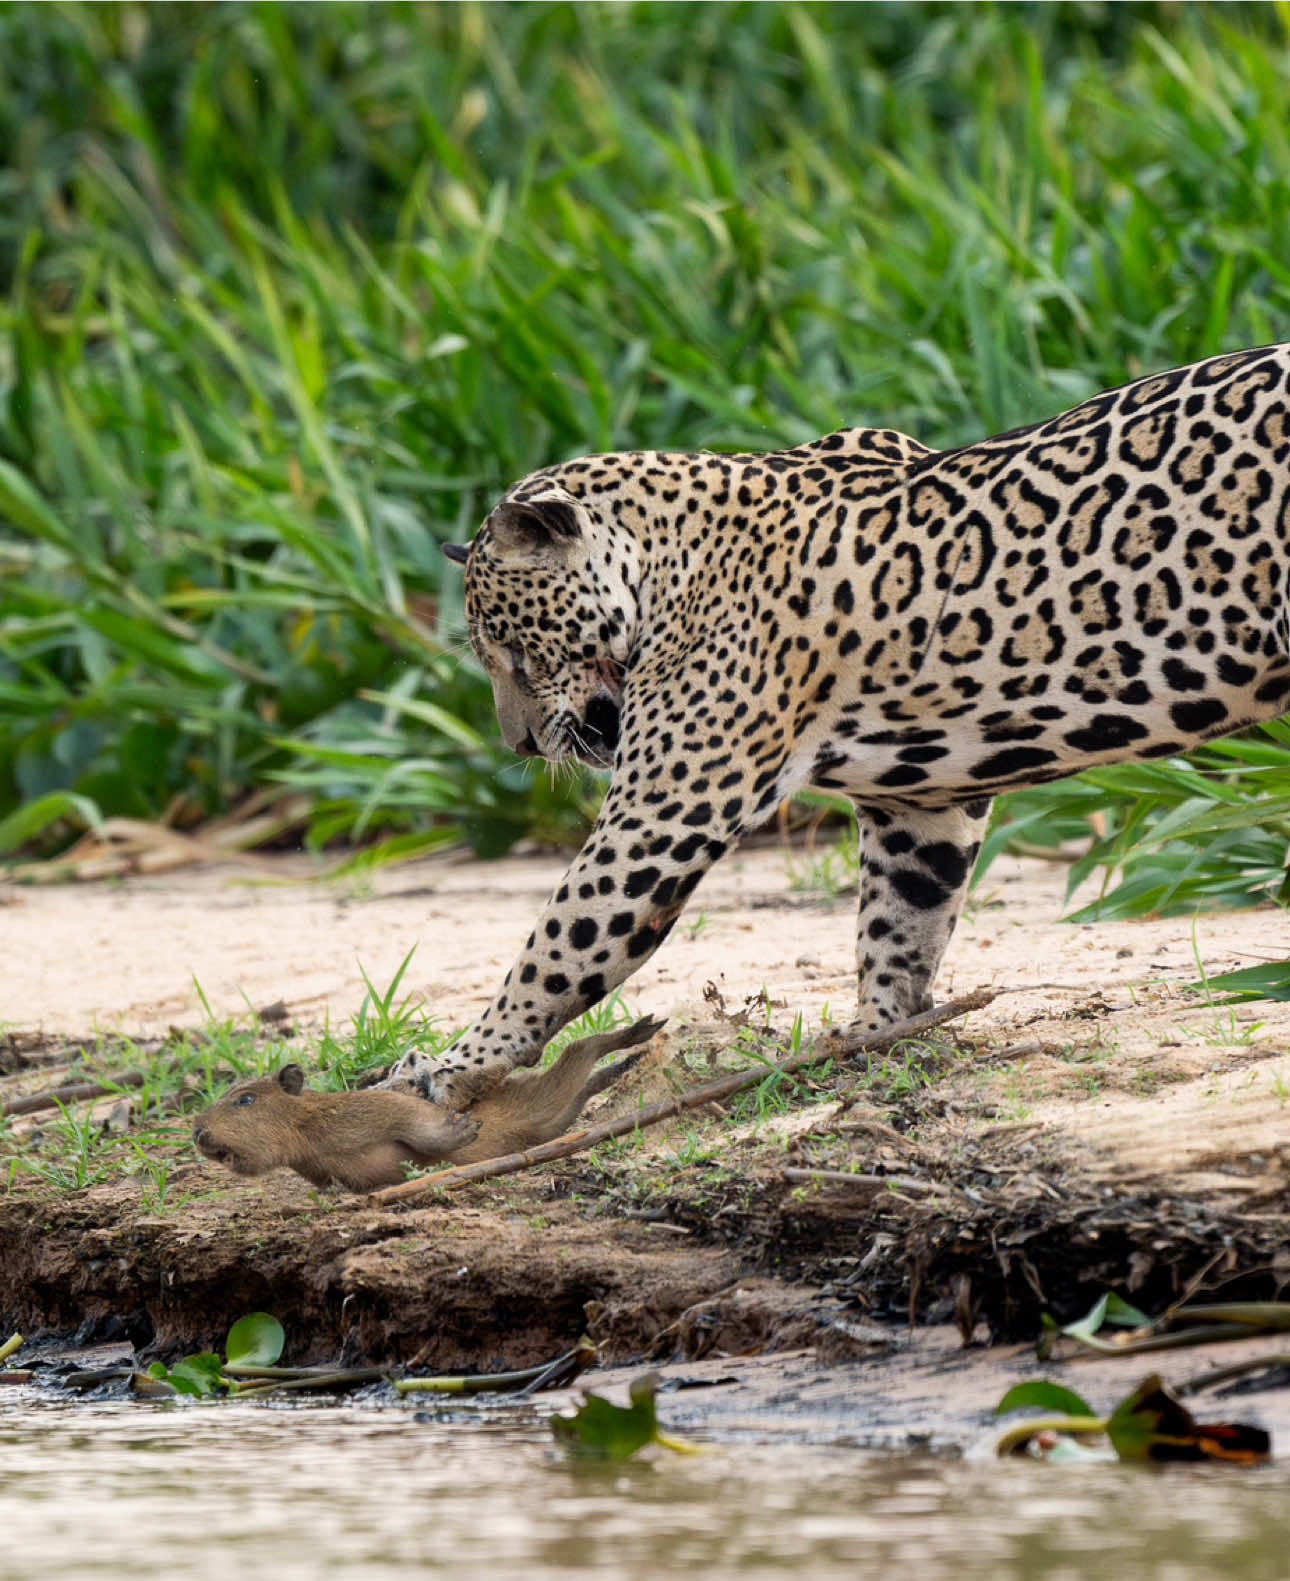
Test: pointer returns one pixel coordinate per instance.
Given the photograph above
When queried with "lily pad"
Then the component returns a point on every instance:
(1040, 1395)
(255, 1341)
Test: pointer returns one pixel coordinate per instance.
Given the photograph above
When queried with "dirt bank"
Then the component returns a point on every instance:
(1097, 1126)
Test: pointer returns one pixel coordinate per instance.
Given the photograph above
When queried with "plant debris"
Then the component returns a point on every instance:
(1151, 1423)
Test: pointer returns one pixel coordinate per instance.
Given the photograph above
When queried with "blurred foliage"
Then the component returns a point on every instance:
(1175, 835)
(291, 292)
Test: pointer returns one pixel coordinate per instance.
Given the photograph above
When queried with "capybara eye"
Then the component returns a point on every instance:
(247, 1097)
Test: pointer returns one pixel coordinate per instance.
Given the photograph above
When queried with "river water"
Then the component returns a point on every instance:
(132, 1489)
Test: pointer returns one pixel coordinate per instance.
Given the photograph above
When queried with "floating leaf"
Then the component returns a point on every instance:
(606, 1431)
(1124, 1314)
(1108, 1309)
(1040, 1395)
(255, 1341)
(198, 1376)
(1150, 1424)
(1154, 1425)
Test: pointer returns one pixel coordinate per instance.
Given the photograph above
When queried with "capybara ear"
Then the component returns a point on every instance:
(291, 1079)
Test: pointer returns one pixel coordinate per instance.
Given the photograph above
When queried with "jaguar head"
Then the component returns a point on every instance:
(552, 612)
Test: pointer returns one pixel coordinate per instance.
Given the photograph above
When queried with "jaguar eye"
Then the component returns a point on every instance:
(247, 1097)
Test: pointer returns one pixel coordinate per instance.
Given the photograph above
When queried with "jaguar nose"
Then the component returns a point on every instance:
(602, 722)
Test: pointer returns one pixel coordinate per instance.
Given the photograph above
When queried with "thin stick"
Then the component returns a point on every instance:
(846, 1044)
(72, 1093)
(346, 1379)
(896, 1183)
(492, 1382)
(1238, 1369)
(839, 1045)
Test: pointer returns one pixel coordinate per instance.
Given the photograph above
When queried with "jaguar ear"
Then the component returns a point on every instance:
(292, 1080)
(458, 553)
(534, 526)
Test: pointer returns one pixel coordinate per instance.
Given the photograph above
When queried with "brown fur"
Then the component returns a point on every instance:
(363, 1140)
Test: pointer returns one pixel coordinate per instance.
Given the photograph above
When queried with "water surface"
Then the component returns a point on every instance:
(130, 1489)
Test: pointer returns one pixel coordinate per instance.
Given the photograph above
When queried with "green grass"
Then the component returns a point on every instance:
(288, 294)
(72, 1150)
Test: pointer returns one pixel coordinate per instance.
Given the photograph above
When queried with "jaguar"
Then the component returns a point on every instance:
(916, 629)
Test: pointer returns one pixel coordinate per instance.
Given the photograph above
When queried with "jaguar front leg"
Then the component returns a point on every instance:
(914, 874)
(612, 910)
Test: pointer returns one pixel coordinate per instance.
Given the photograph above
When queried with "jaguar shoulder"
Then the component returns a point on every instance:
(916, 629)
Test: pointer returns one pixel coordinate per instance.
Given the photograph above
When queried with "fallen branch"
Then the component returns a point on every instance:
(836, 1045)
(55, 1097)
(846, 1044)
(529, 1380)
(1218, 1375)
(116, 847)
(315, 1378)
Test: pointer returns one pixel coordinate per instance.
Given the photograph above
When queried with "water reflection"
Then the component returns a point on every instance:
(255, 1491)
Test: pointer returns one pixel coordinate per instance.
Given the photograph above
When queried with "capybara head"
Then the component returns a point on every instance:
(253, 1127)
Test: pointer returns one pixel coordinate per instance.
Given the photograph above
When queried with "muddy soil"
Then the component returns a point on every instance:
(1097, 1126)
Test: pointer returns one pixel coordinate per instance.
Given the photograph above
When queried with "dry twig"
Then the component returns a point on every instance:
(873, 1183)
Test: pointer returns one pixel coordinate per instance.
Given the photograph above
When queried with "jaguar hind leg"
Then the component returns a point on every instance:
(914, 874)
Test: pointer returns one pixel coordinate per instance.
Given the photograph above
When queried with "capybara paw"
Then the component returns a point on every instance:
(464, 1130)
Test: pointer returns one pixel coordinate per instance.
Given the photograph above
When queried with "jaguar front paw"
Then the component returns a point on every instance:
(415, 1073)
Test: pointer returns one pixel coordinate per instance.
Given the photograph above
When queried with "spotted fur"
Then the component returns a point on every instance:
(917, 629)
